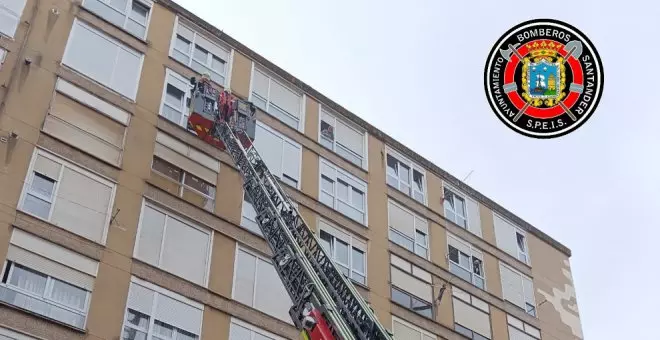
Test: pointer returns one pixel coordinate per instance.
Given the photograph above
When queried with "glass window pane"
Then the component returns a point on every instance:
(166, 169)
(392, 166)
(418, 180)
(36, 206)
(174, 96)
(28, 279)
(404, 173)
(139, 13)
(400, 297)
(421, 238)
(358, 200)
(133, 334)
(199, 185)
(342, 190)
(423, 252)
(183, 335)
(401, 240)
(68, 295)
(327, 131)
(218, 65)
(341, 252)
(453, 254)
(327, 184)
(326, 242)
(477, 266)
(201, 54)
(182, 44)
(358, 260)
(42, 185)
(464, 260)
(163, 329)
(459, 206)
(137, 319)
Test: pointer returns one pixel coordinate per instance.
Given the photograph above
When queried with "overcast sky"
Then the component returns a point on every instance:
(414, 69)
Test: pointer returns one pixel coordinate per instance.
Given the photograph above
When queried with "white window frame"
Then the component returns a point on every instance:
(285, 139)
(18, 17)
(422, 331)
(67, 50)
(15, 335)
(517, 231)
(186, 96)
(523, 327)
(290, 87)
(254, 329)
(335, 198)
(53, 199)
(160, 291)
(3, 55)
(414, 240)
(126, 13)
(522, 284)
(48, 290)
(352, 241)
(185, 220)
(258, 256)
(473, 250)
(336, 144)
(413, 167)
(191, 52)
(460, 195)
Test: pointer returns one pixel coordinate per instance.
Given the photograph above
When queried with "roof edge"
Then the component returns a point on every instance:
(363, 124)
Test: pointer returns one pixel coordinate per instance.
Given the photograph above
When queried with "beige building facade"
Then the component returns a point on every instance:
(117, 223)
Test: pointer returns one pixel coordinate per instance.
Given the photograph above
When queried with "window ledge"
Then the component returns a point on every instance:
(43, 317)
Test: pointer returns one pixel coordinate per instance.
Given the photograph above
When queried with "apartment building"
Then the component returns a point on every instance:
(118, 223)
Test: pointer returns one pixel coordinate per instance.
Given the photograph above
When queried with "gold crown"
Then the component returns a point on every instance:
(544, 48)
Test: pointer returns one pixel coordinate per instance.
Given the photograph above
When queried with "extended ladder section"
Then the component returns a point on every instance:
(322, 296)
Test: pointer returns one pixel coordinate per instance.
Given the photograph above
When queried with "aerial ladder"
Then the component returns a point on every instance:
(326, 305)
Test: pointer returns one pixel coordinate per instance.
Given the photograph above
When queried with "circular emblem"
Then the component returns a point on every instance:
(543, 78)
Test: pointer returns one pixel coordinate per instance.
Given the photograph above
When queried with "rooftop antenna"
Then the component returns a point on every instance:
(468, 175)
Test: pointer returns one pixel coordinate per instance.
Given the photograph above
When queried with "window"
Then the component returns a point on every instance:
(8, 334)
(519, 330)
(87, 122)
(153, 312)
(466, 262)
(176, 98)
(189, 173)
(406, 331)
(239, 330)
(348, 252)
(38, 276)
(67, 196)
(257, 284)
(511, 239)
(343, 139)
(408, 230)
(518, 289)
(343, 192)
(282, 155)
(3, 54)
(277, 99)
(174, 244)
(103, 59)
(471, 315)
(406, 176)
(462, 210)
(195, 51)
(411, 286)
(131, 15)
(10, 16)
(249, 215)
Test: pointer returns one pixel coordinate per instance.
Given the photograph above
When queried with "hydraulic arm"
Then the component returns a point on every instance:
(326, 305)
